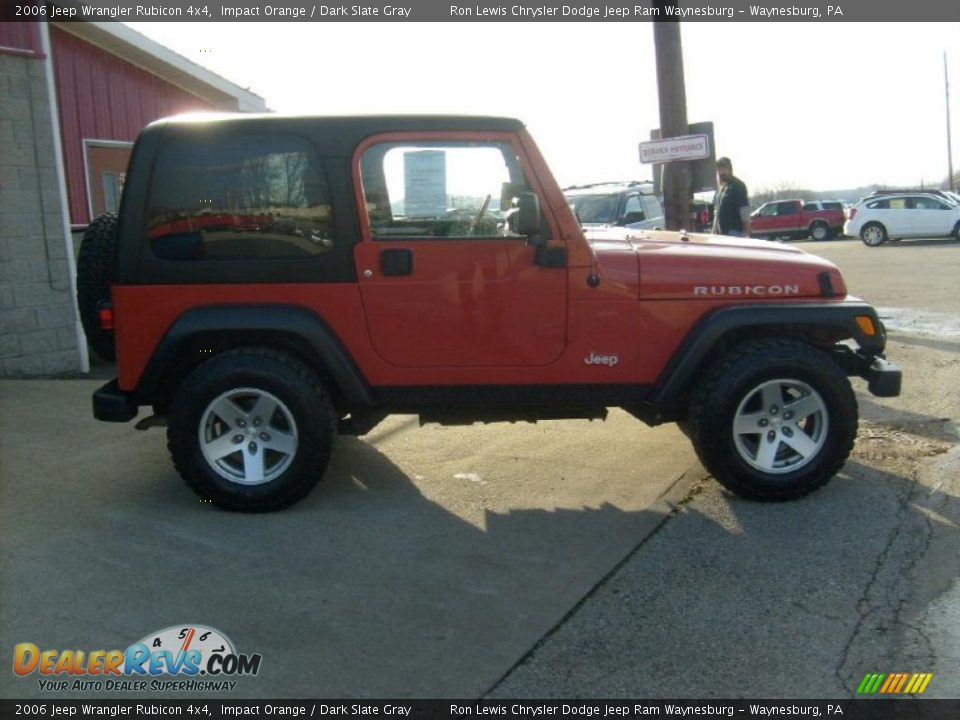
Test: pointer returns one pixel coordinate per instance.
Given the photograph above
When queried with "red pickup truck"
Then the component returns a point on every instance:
(797, 219)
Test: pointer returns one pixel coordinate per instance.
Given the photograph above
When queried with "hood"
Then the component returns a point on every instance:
(700, 266)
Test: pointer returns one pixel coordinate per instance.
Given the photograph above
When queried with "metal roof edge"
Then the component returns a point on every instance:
(138, 49)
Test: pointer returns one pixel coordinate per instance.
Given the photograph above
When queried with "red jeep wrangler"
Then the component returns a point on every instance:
(273, 281)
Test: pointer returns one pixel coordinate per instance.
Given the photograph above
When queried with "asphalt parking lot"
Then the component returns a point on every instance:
(737, 599)
(425, 564)
(566, 559)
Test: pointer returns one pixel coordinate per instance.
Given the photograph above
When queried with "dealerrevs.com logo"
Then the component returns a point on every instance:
(188, 658)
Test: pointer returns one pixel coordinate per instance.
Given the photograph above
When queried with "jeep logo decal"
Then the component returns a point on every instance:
(608, 360)
(746, 289)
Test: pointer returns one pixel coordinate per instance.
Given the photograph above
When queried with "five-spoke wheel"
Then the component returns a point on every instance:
(774, 419)
(248, 436)
(780, 426)
(251, 430)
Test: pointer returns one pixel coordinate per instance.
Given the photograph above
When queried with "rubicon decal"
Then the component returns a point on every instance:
(746, 290)
(184, 651)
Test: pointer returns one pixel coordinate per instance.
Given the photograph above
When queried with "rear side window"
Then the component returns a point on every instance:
(811, 207)
(832, 206)
(929, 203)
(239, 197)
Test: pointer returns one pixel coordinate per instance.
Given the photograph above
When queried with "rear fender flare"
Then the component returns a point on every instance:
(280, 321)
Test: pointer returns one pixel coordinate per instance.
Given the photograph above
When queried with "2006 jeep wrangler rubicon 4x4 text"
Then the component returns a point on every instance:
(273, 281)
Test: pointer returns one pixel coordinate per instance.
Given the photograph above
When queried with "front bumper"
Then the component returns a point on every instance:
(111, 404)
(883, 378)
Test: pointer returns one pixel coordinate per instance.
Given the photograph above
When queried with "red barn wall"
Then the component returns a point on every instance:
(20, 38)
(102, 97)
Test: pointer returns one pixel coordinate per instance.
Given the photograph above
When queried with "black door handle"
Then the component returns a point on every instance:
(397, 261)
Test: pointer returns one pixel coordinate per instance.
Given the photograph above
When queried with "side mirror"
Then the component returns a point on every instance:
(528, 217)
(632, 217)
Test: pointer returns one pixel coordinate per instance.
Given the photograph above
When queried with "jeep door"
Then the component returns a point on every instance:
(444, 277)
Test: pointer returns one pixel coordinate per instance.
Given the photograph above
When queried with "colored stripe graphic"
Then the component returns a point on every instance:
(914, 683)
(894, 683)
(870, 683)
(903, 681)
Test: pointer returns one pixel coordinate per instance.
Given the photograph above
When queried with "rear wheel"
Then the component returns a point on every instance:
(251, 430)
(820, 231)
(94, 276)
(775, 420)
(873, 234)
(956, 231)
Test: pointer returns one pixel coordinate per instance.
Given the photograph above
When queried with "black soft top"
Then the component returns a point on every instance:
(334, 135)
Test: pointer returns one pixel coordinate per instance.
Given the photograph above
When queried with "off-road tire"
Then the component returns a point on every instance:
(873, 239)
(276, 374)
(731, 382)
(94, 275)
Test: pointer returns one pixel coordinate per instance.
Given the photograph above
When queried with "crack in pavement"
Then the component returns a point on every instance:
(692, 478)
(882, 602)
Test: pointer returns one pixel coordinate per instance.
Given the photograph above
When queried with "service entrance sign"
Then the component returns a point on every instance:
(685, 147)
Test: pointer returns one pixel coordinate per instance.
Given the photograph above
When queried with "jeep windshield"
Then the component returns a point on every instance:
(594, 209)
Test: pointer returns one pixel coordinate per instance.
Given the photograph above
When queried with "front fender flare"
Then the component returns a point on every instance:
(710, 330)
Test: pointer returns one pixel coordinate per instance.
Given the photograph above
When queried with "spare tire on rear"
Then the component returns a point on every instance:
(94, 276)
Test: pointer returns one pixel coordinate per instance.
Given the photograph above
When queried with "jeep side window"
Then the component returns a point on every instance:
(441, 189)
(238, 197)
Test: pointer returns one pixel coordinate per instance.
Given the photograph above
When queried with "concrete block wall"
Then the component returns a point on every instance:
(37, 316)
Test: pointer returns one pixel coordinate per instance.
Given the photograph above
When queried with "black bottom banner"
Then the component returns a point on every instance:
(532, 709)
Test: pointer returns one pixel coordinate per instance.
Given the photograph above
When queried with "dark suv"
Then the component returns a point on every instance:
(627, 204)
(273, 281)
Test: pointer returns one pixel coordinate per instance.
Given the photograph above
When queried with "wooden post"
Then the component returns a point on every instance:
(673, 113)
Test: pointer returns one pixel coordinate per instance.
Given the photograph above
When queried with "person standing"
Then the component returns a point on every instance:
(731, 206)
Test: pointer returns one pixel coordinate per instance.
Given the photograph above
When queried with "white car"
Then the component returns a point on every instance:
(878, 219)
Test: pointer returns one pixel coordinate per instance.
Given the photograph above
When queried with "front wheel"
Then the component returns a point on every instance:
(775, 420)
(251, 430)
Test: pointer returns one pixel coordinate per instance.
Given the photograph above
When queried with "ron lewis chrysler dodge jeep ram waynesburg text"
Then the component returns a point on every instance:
(273, 281)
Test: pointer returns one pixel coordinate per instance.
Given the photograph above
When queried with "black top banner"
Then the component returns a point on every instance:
(202, 709)
(481, 11)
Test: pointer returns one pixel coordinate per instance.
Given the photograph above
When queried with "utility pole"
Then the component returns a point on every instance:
(673, 113)
(946, 86)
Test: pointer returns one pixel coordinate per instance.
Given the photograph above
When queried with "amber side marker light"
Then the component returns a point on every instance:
(865, 322)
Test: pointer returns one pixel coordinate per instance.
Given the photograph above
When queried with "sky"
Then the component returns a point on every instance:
(811, 105)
